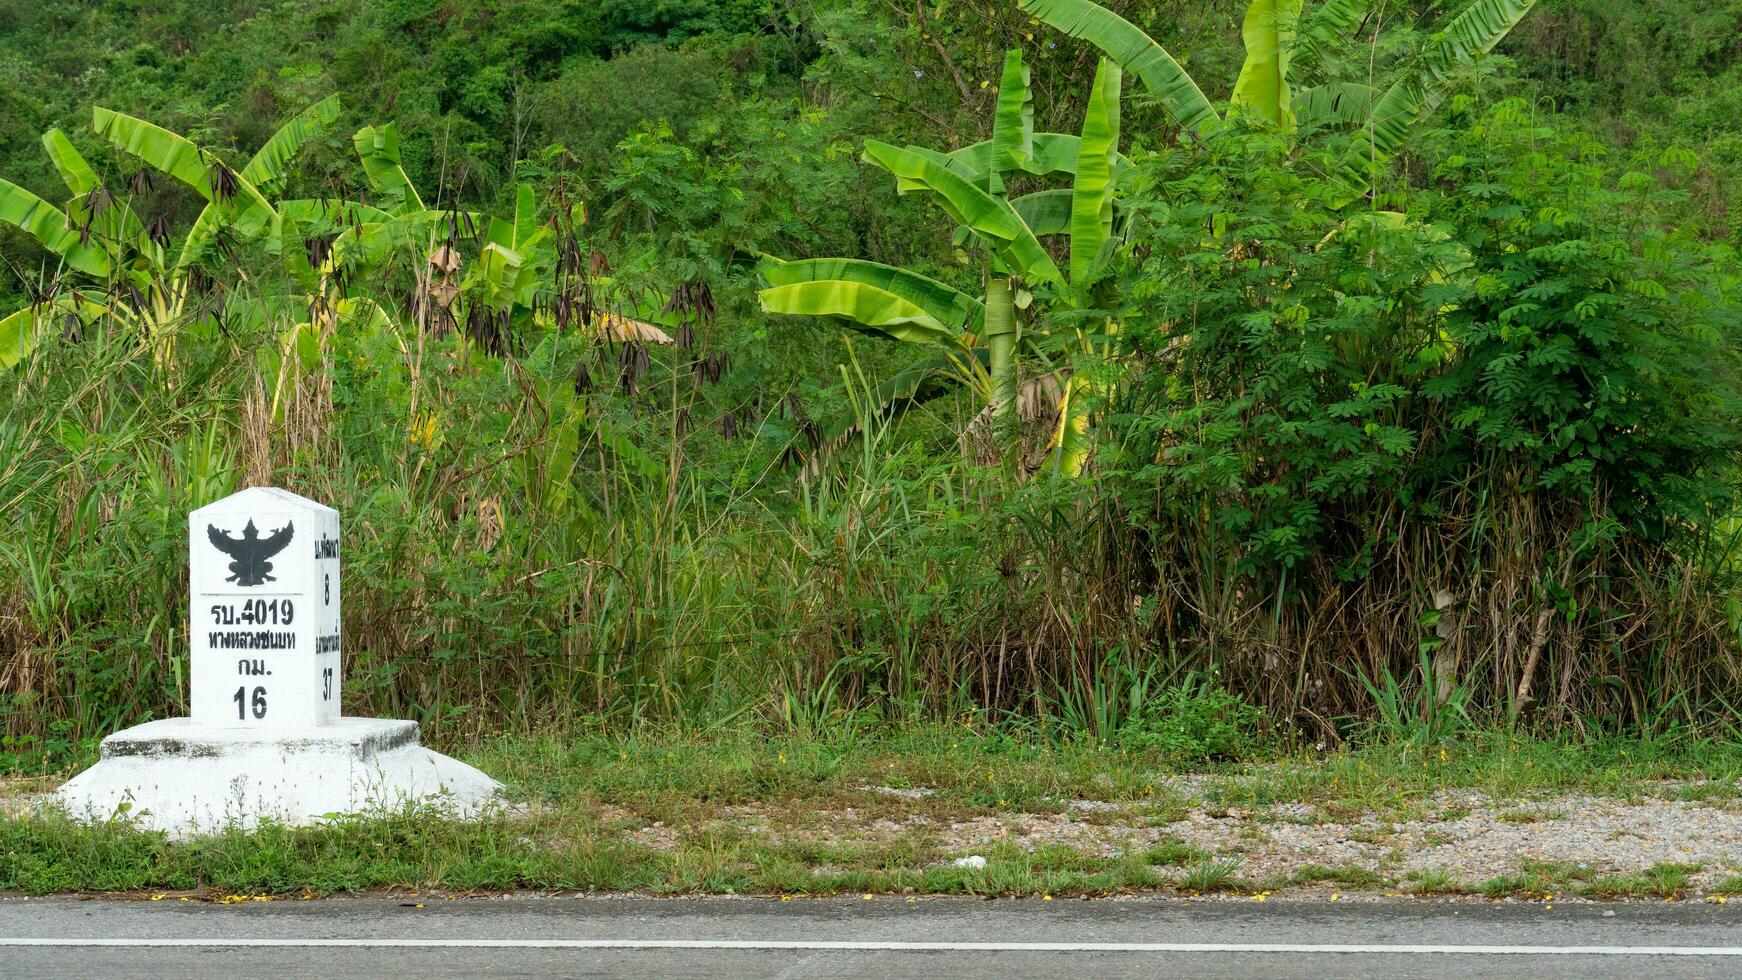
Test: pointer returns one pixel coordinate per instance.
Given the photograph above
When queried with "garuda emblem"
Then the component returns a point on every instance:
(250, 551)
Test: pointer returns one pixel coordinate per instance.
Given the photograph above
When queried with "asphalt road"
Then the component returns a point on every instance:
(851, 937)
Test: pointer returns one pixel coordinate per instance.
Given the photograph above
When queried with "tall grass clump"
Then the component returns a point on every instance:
(576, 532)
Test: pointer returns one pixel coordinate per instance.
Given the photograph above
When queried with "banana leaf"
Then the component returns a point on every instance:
(18, 333)
(1053, 153)
(116, 222)
(265, 170)
(378, 149)
(1324, 35)
(986, 215)
(525, 232)
(1337, 104)
(267, 167)
(1269, 35)
(1472, 33)
(337, 213)
(879, 309)
(363, 245)
(499, 275)
(22, 330)
(1012, 122)
(1133, 51)
(248, 212)
(1048, 153)
(73, 170)
(1092, 192)
(114, 225)
(946, 305)
(1068, 449)
(1045, 212)
(618, 439)
(50, 226)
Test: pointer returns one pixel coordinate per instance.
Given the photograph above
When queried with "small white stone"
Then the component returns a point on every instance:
(974, 861)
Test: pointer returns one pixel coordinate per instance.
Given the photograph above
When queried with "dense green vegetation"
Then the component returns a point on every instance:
(1390, 385)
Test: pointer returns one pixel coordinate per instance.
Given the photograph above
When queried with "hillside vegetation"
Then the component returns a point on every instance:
(671, 367)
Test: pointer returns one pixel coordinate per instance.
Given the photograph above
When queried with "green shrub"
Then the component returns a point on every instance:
(1507, 418)
(1193, 724)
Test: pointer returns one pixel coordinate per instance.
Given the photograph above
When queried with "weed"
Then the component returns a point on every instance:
(1434, 713)
(1435, 881)
(1349, 875)
(1209, 875)
(1510, 885)
(1664, 880)
(1174, 854)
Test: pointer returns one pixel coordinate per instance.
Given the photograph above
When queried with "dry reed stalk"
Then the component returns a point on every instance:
(1538, 641)
(254, 436)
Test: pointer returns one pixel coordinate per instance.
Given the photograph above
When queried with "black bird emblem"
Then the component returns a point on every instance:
(250, 551)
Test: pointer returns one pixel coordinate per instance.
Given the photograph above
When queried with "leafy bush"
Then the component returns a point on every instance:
(629, 22)
(1193, 723)
(1519, 402)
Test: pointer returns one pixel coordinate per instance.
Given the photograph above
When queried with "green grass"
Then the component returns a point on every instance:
(1536, 879)
(745, 814)
(1435, 881)
(1210, 875)
(1530, 815)
(1665, 880)
(1174, 854)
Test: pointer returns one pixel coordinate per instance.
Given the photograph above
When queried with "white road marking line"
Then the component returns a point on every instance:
(892, 946)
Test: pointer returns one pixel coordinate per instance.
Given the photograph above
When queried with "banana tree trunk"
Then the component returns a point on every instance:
(1001, 336)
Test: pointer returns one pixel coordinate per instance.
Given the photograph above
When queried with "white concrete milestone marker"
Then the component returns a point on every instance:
(263, 577)
(265, 739)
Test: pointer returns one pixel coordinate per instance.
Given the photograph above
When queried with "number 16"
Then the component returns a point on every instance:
(258, 702)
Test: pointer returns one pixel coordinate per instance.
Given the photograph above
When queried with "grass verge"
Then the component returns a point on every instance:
(741, 814)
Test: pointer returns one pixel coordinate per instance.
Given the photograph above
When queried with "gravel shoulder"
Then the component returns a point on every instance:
(1453, 842)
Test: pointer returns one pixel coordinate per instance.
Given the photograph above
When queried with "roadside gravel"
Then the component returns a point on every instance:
(1455, 839)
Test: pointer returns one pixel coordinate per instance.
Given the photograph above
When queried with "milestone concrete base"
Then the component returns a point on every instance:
(170, 775)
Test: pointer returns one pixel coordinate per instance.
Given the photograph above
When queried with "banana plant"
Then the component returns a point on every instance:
(982, 336)
(264, 172)
(123, 265)
(514, 254)
(232, 199)
(1285, 46)
(137, 275)
(504, 273)
(507, 281)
